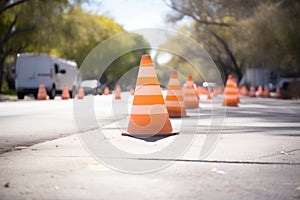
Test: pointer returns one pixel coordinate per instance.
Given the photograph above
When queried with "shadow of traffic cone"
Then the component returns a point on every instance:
(174, 98)
(118, 92)
(260, 91)
(131, 91)
(278, 93)
(149, 116)
(244, 91)
(190, 97)
(230, 98)
(252, 91)
(65, 93)
(42, 93)
(106, 91)
(80, 93)
(266, 92)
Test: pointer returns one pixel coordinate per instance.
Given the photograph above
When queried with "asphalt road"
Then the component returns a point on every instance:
(256, 156)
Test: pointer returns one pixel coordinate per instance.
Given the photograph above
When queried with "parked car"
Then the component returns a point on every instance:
(92, 87)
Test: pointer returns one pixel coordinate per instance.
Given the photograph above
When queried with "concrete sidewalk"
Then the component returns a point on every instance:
(257, 156)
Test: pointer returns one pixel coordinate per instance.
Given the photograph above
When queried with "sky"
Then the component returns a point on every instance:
(133, 14)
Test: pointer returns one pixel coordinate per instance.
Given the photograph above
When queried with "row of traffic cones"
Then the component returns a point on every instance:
(232, 92)
(42, 93)
(260, 92)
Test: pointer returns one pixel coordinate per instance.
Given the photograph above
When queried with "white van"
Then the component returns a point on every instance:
(54, 72)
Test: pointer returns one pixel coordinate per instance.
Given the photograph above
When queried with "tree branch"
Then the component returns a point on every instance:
(231, 56)
(5, 7)
(205, 22)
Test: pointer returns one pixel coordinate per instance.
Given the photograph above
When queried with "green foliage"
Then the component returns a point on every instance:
(241, 34)
(58, 27)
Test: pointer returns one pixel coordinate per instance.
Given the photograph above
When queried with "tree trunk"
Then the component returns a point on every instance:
(1, 71)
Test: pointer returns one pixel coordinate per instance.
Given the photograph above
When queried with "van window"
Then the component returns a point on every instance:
(56, 68)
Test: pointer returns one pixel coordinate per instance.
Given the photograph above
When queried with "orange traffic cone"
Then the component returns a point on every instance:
(80, 93)
(42, 94)
(208, 94)
(230, 98)
(260, 91)
(266, 92)
(149, 115)
(106, 91)
(278, 93)
(201, 91)
(252, 91)
(65, 93)
(236, 90)
(244, 91)
(118, 92)
(216, 92)
(174, 99)
(191, 99)
(131, 91)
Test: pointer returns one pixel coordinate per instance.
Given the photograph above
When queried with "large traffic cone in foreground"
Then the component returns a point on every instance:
(149, 115)
(174, 99)
(80, 94)
(42, 93)
(230, 98)
(260, 91)
(106, 91)
(252, 91)
(118, 92)
(65, 93)
(190, 97)
(266, 92)
(278, 93)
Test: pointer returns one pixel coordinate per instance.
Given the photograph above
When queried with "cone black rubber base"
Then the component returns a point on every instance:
(149, 134)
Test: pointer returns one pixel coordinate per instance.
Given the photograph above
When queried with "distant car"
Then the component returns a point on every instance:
(92, 87)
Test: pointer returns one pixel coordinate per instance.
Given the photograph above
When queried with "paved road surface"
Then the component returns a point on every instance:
(257, 156)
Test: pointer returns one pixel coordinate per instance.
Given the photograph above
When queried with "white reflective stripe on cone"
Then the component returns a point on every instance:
(174, 82)
(147, 72)
(148, 110)
(148, 90)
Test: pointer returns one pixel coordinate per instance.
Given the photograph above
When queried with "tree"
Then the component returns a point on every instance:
(19, 22)
(239, 34)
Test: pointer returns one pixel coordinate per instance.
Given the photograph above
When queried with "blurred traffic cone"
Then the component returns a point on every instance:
(236, 90)
(80, 93)
(266, 92)
(131, 91)
(252, 91)
(174, 98)
(208, 94)
(118, 92)
(42, 93)
(106, 91)
(260, 91)
(244, 91)
(278, 93)
(65, 93)
(149, 115)
(201, 91)
(230, 98)
(190, 97)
